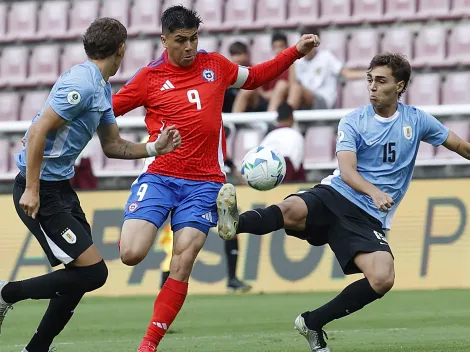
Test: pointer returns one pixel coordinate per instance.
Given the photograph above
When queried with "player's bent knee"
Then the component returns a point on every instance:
(131, 256)
(382, 281)
(294, 211)
(92, 277)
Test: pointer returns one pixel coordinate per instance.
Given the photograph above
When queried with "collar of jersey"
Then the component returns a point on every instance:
(386, 119)
(98, 72)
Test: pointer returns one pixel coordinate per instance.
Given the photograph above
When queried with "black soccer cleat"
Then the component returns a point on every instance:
(235, 285)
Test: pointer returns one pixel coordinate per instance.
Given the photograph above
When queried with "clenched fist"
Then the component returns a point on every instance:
(307, 42)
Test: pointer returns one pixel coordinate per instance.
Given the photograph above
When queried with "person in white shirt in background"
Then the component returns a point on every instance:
(313, 80)
(289, 142)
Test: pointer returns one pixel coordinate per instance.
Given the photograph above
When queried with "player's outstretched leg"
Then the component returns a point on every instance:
(379, 274)
(4, 306)
(290, 214)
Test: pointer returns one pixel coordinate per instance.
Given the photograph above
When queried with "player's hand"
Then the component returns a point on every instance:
(382, 200)
(307, 42)
(29, 202)
(168, 141)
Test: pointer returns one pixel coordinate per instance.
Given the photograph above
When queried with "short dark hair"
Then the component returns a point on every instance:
(398, 63)
(238, 48)
(284, 112)
(279, 36)
(103, 38)
(310, 30)
(179, 17)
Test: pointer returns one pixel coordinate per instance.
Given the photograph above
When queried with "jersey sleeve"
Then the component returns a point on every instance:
(234, 75)
(108, 118)
(433, 131)
(72, 97)
(133, 94)
(348, 136)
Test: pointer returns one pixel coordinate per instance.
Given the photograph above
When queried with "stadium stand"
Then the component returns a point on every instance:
(41, 39)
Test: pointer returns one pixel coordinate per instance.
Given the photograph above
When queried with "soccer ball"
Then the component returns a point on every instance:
(263, 168)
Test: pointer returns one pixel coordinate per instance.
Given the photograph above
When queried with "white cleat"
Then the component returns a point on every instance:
(314, 338)
(4, 307)
(227, 211)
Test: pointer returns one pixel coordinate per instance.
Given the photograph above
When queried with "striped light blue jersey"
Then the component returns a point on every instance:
(386, 151)
(82, 98)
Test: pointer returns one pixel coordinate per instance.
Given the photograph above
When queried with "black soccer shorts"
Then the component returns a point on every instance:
(61, 227)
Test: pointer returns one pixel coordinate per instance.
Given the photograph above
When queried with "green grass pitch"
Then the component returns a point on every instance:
(430, 321)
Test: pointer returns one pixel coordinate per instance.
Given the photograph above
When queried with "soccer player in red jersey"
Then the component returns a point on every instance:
(185, 88)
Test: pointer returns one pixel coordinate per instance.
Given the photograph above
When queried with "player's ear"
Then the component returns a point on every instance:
(400, 86)
(163, 38)
(121, 50)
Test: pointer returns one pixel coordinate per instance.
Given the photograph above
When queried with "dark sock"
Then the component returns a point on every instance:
(231, 253)
(261, 221)
(353, 298)
(165, 275)
(57, 315)
(62, 282)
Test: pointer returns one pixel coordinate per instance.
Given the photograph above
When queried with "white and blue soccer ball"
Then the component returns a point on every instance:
(263, 168)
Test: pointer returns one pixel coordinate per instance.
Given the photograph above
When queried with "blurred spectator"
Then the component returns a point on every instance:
(84, 178)
(289, 142)
(313, 80)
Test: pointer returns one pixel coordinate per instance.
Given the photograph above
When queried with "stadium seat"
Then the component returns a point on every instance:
(239, 14)
(302, 12)
(118, 9)
(367, 10)
(430, 47)
(119, 164)
(72, 55)
(33, 102)
(398, 40)
(145, 17)
(44, 65)
(433, 9)
(9, 106)
(293, 38)
(261, 49)
(460, 8)
(13, 65)
(5, 156)
(355, 94)
(139, 53)
(459, 45)
(426, 151)
(319, 144)
(208, 44)
(169, 3)
(455, 88)
(335, 12)
(362, 47)
(13, 147)
(461, 129)
(3, 22)
(425, 89)
(334, 41)
(212, 13)
(53, 19)
(245, 140)
(230, 138)
(271, 13)
(399, 10)
(82, 13)
(22, 20)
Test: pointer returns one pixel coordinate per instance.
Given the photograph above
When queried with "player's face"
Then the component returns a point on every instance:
(278, 46)
(241, 59)
(181, 46)
(382, 86)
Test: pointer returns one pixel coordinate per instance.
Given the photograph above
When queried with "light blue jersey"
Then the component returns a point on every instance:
(83, 98)
(386, 151)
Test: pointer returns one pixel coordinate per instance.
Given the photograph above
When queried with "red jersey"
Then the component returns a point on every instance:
(191, 98)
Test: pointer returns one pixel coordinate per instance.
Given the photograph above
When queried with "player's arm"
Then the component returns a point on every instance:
(258, 75)
(116, 147)
(346, 148)
(133, 94)
(458, 145)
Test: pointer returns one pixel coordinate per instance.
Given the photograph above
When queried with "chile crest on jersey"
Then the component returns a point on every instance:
(208, 75)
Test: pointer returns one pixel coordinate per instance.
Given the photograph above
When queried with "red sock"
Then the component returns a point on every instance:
(167, 306)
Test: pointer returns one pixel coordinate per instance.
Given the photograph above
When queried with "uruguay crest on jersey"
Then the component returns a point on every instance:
(408, 132)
